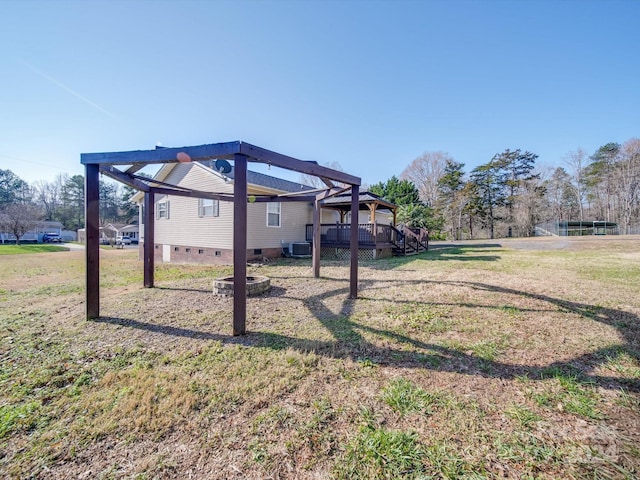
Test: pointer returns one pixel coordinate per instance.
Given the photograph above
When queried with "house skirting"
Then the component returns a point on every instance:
(222, 256)
(337, 253)
(212, 256)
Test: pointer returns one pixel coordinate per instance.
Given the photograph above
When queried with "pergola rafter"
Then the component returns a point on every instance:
(241, 154)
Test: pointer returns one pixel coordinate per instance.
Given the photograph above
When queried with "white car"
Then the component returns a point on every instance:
(123, 240)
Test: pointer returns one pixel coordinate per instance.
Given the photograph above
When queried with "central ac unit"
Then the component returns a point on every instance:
(299, 249)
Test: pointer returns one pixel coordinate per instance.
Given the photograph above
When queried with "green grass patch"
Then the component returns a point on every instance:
(624, 363)
(423, 317)
(405, 397)
(523, 415)
(381, 453)
(15, 417)
(30, 248)
(567, 393)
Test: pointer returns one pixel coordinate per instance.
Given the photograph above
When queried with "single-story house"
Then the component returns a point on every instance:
(197, 230)
(36, 234)
(109, 232)
(193, 230)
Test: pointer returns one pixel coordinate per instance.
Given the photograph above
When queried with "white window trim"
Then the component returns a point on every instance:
(166, 210)
(279, 213)
(215, 208)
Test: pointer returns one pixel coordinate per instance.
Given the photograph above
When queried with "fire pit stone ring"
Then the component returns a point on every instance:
(255, 286)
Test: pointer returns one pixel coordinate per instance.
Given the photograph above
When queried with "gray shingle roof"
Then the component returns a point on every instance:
(263, 180)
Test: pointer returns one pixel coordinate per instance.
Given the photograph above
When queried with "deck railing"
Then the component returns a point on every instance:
(339, 234)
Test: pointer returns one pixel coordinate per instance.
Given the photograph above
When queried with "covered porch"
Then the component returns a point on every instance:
(379, 237)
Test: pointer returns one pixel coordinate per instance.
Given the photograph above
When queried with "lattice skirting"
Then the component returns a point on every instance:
(331, 253)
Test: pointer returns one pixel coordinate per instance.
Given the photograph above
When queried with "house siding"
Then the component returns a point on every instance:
(210, 239)
(184, 226)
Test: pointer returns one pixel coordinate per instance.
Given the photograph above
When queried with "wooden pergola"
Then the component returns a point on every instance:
(122, 166)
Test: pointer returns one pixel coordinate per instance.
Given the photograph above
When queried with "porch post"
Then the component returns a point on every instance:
(149, 238)
(239, 244)
(92, 239)
(316, 238)
(374, 230)
(353, 246)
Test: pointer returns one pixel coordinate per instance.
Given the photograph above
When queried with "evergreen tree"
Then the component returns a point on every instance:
(400, 192)
(13, 189)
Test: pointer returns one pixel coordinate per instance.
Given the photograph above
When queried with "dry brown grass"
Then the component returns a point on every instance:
(495, 359)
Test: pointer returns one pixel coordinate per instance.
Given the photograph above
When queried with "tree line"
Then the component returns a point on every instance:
(509, 195)
(506, 196)
(24, 205)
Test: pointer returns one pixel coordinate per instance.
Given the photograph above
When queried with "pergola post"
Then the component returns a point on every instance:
(353, 246)
(239, 244)
(149, 238)
(317, 247)
(92, 239)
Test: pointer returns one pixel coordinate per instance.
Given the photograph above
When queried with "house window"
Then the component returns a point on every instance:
(208, 207)
(273, 214)
(163, 209)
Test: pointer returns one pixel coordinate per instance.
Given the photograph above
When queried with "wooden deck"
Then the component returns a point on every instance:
(402, 241)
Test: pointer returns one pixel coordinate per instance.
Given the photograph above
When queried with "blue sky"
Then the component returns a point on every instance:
(369, 84)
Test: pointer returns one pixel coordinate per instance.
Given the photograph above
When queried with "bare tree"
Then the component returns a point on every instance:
(47, 195)
(528, 211)
(577, 162)
(627, 175)
(561, 196)
(18, 219)
(425, 172)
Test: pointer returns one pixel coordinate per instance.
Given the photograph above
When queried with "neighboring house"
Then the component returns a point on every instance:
(109, 232)
(35, 235)
(195, 230)
(113, 230)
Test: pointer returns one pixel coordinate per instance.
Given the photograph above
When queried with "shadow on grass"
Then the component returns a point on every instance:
(349, 340)
(443, 252)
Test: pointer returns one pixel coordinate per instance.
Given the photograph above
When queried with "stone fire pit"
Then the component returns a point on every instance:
(255, 286)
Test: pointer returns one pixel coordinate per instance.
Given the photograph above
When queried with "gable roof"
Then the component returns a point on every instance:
(268, 181)
(261, 179)
(342, 201)
(253, 178)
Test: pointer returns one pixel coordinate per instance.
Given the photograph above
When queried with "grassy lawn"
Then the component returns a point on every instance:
(30, 248)
(486, 359)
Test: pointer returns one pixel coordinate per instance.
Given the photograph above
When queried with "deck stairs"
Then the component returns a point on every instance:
(409, 241)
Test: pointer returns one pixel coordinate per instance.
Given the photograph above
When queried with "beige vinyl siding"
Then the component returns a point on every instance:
(293, 218)
(329, 216)
(184, 226)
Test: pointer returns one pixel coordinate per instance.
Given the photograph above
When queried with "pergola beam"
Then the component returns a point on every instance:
(125, 178)
(162, 155)
(226, 197)
(263, 155)
(219, 150)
